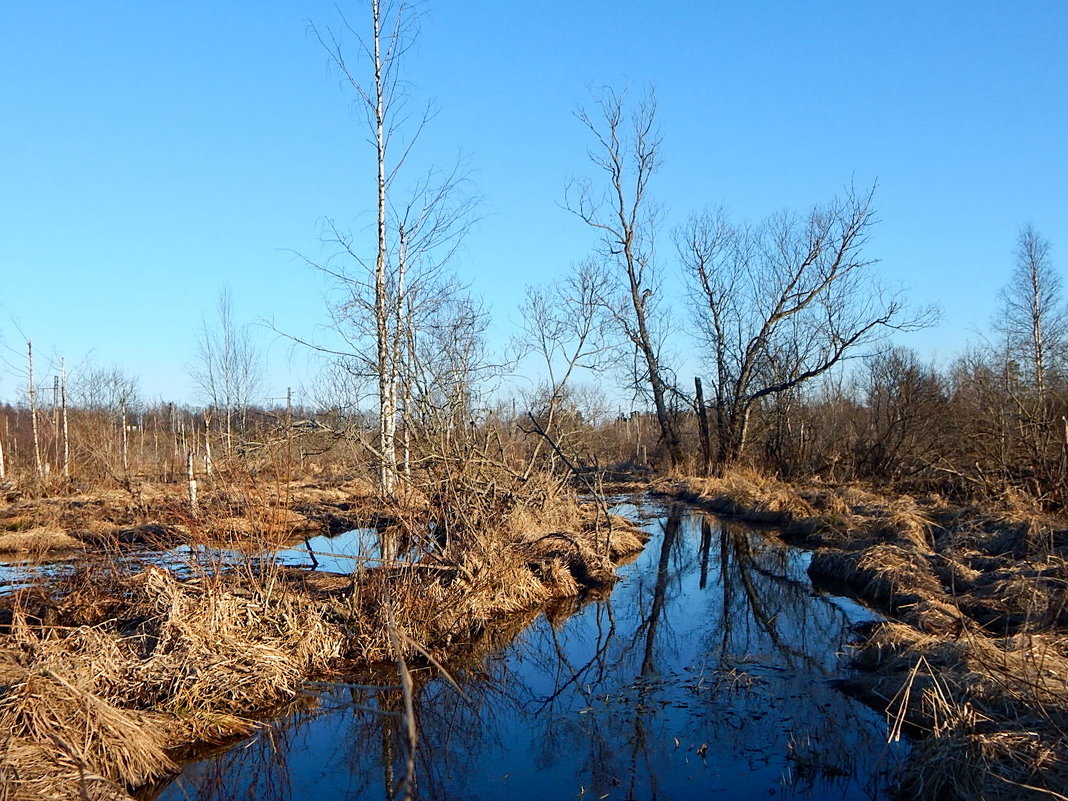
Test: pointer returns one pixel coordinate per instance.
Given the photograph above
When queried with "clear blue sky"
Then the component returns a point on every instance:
(151, 153)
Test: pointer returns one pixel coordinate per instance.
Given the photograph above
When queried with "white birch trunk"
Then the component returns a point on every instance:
(387, 385)
(192, 485)
(207, 444)
(125, 439)
(33, 411)
(63, 414)
(55, 421)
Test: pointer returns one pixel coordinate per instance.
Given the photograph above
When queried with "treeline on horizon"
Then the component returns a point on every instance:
(992, 422)
(787, 316)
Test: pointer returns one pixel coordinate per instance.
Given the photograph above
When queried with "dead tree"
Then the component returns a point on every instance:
(32, 392)
(627, 151)
(63, 418)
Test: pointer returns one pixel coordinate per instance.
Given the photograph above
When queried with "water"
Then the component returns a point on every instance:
(339, 553)
(709, 672)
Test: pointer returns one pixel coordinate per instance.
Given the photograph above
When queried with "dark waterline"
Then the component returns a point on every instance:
(708, 672)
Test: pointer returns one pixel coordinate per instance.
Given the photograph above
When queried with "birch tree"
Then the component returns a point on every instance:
(1033, 319)
(417, 226)
(1033, 326)
(229, 368)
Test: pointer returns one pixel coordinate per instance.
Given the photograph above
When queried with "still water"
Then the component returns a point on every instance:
(707, 673)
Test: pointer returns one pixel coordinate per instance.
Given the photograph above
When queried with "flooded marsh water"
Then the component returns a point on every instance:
(709, 671)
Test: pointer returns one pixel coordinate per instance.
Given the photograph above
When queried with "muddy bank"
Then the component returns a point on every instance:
(975, 661)
(106, 675)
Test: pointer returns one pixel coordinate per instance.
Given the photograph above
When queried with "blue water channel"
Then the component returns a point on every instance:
(708, 672)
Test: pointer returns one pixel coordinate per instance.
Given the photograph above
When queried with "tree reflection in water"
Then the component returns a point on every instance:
(708, 669)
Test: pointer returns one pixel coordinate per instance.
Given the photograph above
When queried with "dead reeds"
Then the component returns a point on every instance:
(107, 671)
(975, 661)
(991, 712)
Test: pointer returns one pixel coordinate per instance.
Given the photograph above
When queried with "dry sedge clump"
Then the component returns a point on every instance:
(884, 575)
(40, 540)
(33, 772)
(851, 517)
(898, 570)
(16, 522)
(112, 742)
(745, 494)
(558, 579)
(201, 651)
(625, 541)
(901, 521)
(105, 672)
(992, 711)
(992, 766)
(210, 649)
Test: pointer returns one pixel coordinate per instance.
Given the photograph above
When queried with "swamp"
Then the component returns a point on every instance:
(538, 472)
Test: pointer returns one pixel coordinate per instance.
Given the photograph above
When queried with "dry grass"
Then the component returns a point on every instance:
(203, 653)
(890, 578)
(747, 495)
(16, 522)
(992, 710)
(109, 741)
(35, 772)
(212, 649)
(38, 541)
(106, 672)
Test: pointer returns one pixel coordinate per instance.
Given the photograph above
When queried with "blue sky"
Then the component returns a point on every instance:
(153, 153)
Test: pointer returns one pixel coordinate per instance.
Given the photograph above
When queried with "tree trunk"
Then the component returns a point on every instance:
(33, 411)
(63, 414)
(702, 423)
(192, 484)
(732, 427)
(125, 440)
(387, 387)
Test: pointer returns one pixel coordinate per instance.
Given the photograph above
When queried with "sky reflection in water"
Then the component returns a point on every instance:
(707, 673)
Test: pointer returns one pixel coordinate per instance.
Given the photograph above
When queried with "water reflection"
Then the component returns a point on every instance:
(707, 671)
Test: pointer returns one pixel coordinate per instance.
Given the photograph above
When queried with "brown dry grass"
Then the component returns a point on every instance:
(993, 710)
(747, 495)
(35, 772)
(38, 541)
(154, 661)
(115, 743)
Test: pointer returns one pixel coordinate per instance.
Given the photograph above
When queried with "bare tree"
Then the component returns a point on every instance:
(445, 369)
(229, 368)
(104, 389)
(413, 238)
(906, 427)
(1033, 318)
(111, 396)
(567, 325)
(781, 303)
(627, 152)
